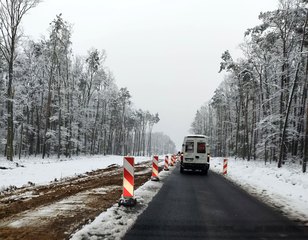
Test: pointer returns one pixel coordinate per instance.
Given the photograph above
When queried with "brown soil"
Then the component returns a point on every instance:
(56, 210)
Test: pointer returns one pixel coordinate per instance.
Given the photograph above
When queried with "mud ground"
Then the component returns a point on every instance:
(57, 210)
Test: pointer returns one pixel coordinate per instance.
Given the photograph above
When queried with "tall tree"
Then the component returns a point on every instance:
(294, 85)
(11, 14)
(57, 61)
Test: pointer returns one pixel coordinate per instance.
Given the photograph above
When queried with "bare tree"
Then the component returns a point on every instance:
(291, 95)
(11, 14)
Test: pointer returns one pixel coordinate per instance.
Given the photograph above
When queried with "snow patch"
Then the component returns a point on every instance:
(39, 171)
(114, 223)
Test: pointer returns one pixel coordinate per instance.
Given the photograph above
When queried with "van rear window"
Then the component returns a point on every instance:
(189, 147)
(200, 147)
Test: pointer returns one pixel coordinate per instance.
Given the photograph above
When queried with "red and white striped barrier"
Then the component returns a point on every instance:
(225, 166)
(128, 182)
(155, 169)
(166, 166)
(173, 159)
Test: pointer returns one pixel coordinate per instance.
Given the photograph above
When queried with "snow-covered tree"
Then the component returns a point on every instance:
(259, 109)
(65, 105)
(11, 14)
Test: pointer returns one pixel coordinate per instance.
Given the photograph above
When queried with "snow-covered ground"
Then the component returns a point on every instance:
(42, 171)
(111, 224)
(285, 188)
(114, 223)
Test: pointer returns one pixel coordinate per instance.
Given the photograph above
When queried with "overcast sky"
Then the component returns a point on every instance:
(166, 52)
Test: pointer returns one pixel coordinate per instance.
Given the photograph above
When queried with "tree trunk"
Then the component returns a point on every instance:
(305, 159)
(48, 113)
(305, 101)
(282, 144)
(10, 120)
(20, 142)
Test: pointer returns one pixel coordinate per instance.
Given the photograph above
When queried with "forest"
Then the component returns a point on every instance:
(53, 102)
(260, 110)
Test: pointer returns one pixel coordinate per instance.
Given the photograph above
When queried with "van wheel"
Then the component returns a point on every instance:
(181, 169)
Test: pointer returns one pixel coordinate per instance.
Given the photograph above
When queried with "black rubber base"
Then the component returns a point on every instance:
(127, 202)
(156, 179)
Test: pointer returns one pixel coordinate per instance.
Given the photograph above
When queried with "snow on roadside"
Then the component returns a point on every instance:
(114, 223)
(39, 171)
(285, 188)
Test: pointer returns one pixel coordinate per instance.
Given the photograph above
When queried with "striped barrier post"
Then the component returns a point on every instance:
(155, 169)
(225, 166)
(173, 159)
(166, 166)
(127, 198)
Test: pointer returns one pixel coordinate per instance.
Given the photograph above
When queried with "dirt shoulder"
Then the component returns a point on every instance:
(56, 210)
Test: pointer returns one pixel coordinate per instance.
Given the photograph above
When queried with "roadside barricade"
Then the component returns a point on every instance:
(166, 166)
(155, 169)
(225, 166)
(127, 198)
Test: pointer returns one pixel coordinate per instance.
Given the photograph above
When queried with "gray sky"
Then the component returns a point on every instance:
(166, 52)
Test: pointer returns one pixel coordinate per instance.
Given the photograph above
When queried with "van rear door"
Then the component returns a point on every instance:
(201, 151)
(189, 153)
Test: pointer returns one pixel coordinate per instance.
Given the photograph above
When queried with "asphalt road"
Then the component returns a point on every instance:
(194, 206)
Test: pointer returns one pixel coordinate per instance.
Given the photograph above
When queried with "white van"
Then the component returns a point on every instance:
(196, 154)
